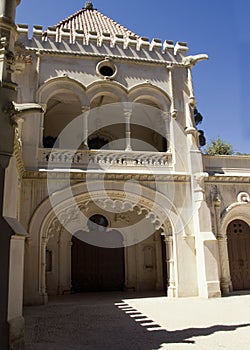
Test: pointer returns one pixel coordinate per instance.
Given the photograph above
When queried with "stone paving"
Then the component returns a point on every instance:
(107, 321)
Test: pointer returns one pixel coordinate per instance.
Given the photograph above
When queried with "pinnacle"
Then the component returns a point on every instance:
(89, 5)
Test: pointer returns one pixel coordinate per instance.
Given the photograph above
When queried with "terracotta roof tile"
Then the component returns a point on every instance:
(90, 20)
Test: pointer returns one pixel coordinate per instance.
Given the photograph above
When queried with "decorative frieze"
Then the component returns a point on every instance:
(81, 176)
(228, 179)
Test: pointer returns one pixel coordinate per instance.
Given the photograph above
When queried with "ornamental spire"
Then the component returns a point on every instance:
(89, 5)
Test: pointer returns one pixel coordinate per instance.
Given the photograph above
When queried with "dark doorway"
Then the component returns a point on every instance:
(95, 268)
(238, 238)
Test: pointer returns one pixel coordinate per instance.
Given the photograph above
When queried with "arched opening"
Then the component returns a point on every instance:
(97, 262)
(164, 260)
(110, 128)
(56, 238)
(147, 139)
(62, 108)
(148, 129)
(238, 238)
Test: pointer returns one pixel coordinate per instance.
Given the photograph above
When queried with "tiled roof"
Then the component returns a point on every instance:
(88, 20)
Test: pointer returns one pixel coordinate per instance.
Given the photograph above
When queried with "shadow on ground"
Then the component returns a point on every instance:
(101, 322)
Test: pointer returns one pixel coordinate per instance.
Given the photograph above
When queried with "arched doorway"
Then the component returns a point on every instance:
(45, 225)
(97, 267)
(238, 238)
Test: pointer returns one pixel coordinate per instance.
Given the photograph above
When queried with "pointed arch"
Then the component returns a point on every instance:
(44, 223)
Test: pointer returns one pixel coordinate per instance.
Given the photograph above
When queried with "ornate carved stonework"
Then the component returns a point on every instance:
(243, 197)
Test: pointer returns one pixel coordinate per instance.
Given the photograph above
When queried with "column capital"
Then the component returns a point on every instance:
(128, 113)
(168, 238)
(127, 108)
(85, 109)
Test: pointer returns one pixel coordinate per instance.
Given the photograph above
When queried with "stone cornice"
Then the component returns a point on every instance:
(38, 175)
(240, 156)
(228, 179)
(43, 51)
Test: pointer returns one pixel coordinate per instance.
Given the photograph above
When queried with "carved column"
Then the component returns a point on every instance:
(41, 129)
(69, 247)
(165, 116)
(43, 290)
(128, 113)
(59, 247)
(126, 260)
(85, 117)
(192, 101)
(225, 280)
(191, 130)
(170, 266)
(171, 84)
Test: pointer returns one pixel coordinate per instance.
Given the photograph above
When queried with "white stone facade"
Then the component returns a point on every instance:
(136, 98)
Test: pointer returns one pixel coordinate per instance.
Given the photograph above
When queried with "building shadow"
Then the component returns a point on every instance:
(89, 322)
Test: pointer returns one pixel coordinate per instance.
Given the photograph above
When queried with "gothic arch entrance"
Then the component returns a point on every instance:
(238, 238)
(140, 273)
(100, 266)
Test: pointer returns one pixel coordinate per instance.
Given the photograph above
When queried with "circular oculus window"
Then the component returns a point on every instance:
(106, 69)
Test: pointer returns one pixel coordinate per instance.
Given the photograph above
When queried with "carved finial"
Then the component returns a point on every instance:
(89, 5)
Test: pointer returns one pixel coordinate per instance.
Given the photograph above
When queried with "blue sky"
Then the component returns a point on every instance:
(219, 28)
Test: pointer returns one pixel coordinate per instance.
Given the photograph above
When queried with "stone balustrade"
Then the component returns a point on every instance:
(103, 159)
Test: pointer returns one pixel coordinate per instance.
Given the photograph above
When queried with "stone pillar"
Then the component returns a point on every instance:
(192, 101)
(41, 132)
(170, 266)
(59, 247)
(85, 110)
(205, 241)
(225, 280)
(171, 84)
(15, 308)
(43, 291)
(191, 131)
(5, 236)
(128, 113)
(165, 116)
(69, 249)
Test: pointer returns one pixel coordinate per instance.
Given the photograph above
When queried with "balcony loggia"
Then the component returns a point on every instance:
(111, 140)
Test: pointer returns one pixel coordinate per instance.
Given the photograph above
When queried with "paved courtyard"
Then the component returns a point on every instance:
(129, 321)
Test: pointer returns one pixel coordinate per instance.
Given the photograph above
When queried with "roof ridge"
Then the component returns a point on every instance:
(69, 17)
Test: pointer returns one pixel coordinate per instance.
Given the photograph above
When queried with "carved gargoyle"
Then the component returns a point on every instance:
(190, 61)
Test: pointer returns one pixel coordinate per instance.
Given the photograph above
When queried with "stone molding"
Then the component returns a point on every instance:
(43, 175)
(227, 179)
